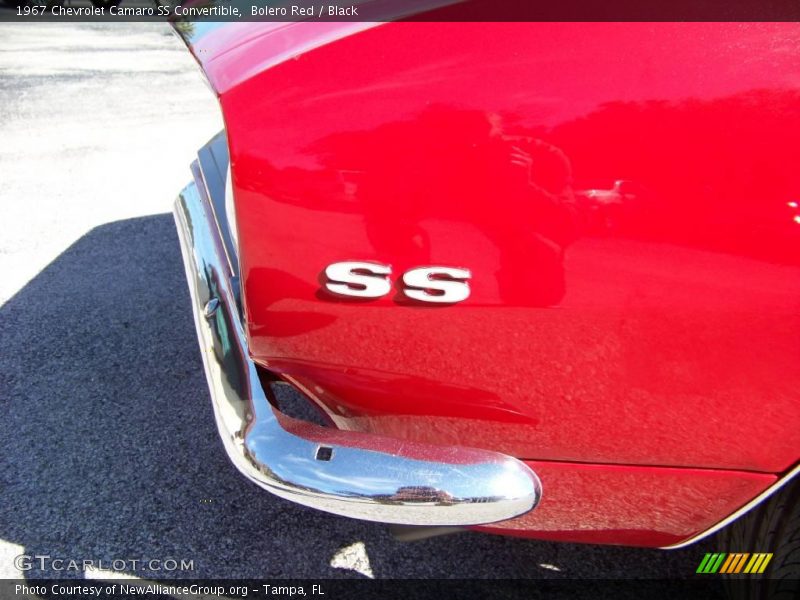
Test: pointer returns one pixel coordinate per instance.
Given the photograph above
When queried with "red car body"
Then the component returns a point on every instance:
(643, 364)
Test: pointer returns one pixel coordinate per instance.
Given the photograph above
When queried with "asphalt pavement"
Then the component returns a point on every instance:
(108, 448)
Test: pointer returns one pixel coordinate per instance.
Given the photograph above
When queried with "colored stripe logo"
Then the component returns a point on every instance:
(735, 562)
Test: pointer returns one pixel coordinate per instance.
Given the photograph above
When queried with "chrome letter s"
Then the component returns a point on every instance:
(437, 284)
(358, 279)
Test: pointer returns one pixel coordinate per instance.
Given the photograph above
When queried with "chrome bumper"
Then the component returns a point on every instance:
(342, 472)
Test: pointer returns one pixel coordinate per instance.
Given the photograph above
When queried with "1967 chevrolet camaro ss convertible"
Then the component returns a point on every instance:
(540, 279)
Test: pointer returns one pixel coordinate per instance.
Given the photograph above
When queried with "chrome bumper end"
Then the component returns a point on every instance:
(345, 473)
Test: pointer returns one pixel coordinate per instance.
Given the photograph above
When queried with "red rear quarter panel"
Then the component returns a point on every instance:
(654, 323)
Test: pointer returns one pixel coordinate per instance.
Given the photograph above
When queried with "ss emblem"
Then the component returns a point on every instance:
(445, 285)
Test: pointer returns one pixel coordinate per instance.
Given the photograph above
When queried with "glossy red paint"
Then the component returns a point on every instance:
(623, 196)
(630, 506)
(233, 52)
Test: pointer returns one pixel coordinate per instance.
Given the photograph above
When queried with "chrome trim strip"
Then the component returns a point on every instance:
(746, 508)
(342, 472)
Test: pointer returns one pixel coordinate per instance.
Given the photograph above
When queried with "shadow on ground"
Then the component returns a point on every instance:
(109, 448)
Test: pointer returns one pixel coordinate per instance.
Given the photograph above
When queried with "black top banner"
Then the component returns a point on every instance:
(391, 10)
